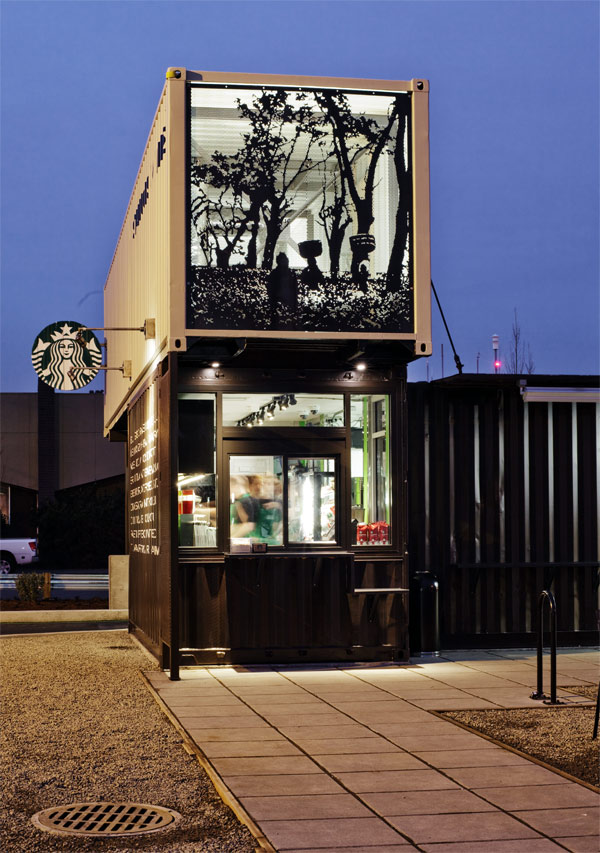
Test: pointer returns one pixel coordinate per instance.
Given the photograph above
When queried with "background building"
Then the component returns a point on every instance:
(50, 443)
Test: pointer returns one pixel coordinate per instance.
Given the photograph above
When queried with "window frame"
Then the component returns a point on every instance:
(307, 441)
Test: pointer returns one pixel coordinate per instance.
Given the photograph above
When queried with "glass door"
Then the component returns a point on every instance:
(311, 500)
(255, 500)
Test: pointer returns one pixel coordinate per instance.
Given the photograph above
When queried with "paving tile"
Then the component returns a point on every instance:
(430, 727)
(529, 845)
(278, 786)
(370, 762)
(344, 832)
(500, 665)
(456, 703)
(243, 690)
(429, 691)
(567, 794)
(390, 718)
(210, 711)
(342, 746)
(263, 732)
(305, 806)
(304, 700)
(395, 780)
(200, 701)
(472, 758)
(391, 705)
(558, 822)
(424, 802)
(320, 732)
(483, 826)
(223, 749)
(378, 848)
(499, 777)
(580, 844)
(329, 679)
(526, 677)
(281, 720)
(476, 679)
(238, 721)
(267, 766)
(193, 693)
(412, 743)
(358, 694)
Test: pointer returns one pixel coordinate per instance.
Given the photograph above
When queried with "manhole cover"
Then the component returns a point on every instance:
(105, 819)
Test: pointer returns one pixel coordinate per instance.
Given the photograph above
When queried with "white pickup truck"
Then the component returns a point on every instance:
(17, 552)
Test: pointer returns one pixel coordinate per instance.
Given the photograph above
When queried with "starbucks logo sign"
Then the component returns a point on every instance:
(64, 357)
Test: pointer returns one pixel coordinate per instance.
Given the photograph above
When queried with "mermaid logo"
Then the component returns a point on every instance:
(66, 358)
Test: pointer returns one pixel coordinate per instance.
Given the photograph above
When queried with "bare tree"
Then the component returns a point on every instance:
(335, 218)
(519, 359)
(354, 136)
(404, 177)
(277, 152)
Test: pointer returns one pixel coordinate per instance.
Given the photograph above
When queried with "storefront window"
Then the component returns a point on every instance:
(299, 203)
(197, 480)
(283, 410)
(311, 500)
(256, 500)
(370, 469)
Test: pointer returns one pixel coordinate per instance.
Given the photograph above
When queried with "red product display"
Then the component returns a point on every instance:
(384, 532)
(374, 532)
(362, 534)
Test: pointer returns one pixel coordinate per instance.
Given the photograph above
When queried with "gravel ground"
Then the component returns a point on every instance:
(562, 737)
(80, 726)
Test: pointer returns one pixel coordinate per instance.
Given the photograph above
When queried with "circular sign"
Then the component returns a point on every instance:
(66, 355)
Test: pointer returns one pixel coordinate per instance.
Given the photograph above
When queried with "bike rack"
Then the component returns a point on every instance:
(539, 693)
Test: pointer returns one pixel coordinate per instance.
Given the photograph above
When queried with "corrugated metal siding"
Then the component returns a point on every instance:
(503, 500)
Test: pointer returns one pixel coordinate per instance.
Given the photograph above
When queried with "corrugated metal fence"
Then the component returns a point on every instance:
(504, 500)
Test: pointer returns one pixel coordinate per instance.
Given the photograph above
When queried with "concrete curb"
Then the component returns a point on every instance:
(41, 616)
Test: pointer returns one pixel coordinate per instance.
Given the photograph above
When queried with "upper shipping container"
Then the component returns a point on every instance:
(269, 206)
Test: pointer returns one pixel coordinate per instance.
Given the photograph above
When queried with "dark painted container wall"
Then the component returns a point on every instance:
(217, 608)
(469, 518)
(292, 608)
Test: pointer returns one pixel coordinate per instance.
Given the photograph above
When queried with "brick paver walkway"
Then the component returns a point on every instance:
(330, 759)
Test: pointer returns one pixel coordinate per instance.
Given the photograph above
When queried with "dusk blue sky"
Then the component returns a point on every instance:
(514, 150)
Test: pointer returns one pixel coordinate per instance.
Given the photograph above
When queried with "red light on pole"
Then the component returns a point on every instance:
(495, 347)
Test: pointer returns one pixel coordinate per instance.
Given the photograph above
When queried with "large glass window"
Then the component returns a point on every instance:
(370, 474)
(283, 410)
(197, 479)
(300, 207)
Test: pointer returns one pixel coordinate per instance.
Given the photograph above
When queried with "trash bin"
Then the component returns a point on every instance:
(424, 614)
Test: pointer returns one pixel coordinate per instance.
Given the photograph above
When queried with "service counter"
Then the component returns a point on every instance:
(293, 607)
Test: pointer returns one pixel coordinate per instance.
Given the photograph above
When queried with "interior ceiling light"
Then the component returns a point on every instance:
(268, 410)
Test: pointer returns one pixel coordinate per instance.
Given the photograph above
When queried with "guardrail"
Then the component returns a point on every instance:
(63, 581)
